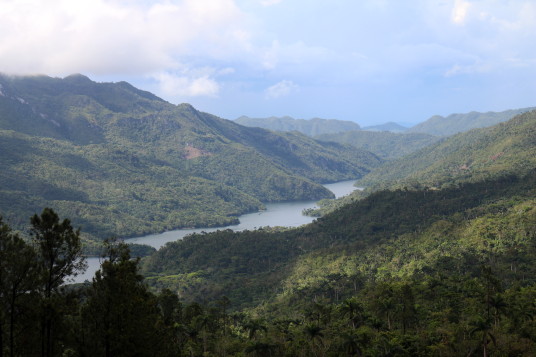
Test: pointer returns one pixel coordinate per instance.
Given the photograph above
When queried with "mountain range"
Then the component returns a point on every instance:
(402, 271)
(122, 161)
(457, 123)
(390, 126)
(310, 127)
(503, 149)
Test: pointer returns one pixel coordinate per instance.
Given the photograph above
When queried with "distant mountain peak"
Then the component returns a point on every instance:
(459, 122)
(310, 127)
(78, 78)
(389, 126)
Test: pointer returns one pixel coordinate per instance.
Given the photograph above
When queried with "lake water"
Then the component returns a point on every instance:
(286, 214)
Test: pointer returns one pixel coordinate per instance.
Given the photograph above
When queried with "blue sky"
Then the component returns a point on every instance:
(370, 61)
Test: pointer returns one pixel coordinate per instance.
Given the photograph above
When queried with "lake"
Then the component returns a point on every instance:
(286, 214)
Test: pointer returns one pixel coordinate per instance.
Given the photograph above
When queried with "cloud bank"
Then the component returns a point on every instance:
(345, 56)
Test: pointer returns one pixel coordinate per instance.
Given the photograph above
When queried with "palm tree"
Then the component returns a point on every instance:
(314, 332)
(498, 304)
(260, 349)
(253, 326)
(483, 326)
(353, 309)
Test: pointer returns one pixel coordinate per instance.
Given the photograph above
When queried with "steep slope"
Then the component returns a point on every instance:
(310, 127)
(125, 162)
(384, 144)
(459, 123)
(506, 148)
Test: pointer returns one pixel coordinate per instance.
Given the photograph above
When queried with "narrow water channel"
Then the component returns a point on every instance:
(285, 214)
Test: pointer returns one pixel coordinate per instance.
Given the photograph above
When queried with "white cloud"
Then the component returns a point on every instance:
(281, 89)
(184, 86)
(190, 82)
(459, 11)
(270, 2)
(116, 36)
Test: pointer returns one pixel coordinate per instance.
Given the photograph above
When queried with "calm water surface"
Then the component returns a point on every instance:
(286, 214)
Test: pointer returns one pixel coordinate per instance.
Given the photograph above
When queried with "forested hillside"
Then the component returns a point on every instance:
(310, 127)
(382, 143)
(414, 271)
(506, 148)
(407, 273)
(459, 123)
(390, 126)
(121, 161)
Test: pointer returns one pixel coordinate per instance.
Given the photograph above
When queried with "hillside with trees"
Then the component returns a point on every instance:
(406, 273)
(390, 126)
(478, 154)
(122, 161)
(409, 271)
(459, 123)
(310, 127)
(385, 144)
(414, 271)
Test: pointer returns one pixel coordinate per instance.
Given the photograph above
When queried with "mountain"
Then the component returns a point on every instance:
(310, 127)
(457, 123)
(505, 148)
(385, 144)
(400, 272)
(122, 161)
(390, 126)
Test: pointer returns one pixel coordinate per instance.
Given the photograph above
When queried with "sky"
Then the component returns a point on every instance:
(368, 61)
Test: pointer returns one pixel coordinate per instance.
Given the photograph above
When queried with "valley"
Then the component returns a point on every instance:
(432, 255)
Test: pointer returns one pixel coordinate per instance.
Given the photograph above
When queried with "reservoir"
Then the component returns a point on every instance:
(285, 214)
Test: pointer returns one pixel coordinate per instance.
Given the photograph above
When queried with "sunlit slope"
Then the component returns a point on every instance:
(507, 148)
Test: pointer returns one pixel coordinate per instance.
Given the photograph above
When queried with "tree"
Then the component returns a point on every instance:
(483, 326)
(59, 256)
(18, 275)
(121, 315)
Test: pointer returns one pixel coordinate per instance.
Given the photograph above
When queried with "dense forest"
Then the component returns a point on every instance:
(400, 273)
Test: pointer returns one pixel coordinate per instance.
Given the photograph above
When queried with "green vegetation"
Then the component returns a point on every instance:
(123, 162)
(408, 273)
(467, 157)
(438, 264)
(418, 272)
(386, 145)
(459, 123)
(310, 127)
